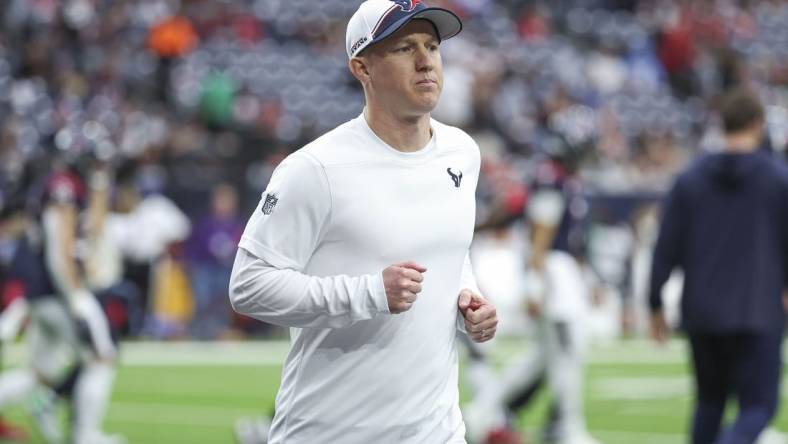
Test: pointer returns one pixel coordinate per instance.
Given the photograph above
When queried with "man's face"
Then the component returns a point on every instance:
(406, 71)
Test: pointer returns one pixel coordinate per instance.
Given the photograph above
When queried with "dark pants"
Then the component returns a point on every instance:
(747, 365)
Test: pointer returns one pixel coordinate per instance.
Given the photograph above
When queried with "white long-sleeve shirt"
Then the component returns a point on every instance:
(291, 298)
(335, 214)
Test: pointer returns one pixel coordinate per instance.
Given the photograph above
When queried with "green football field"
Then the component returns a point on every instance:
(168, 393)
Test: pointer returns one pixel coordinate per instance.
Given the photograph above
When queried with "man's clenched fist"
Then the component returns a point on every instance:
(481, 317)
(402, 282)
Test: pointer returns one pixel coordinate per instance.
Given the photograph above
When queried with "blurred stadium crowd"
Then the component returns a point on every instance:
(194, 102)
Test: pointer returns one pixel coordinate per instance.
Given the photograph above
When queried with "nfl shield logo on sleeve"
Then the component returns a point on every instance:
(269, 204)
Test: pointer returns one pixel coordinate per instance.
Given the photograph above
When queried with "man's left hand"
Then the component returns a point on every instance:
(658, 329)
(785, 301)
(481, 318)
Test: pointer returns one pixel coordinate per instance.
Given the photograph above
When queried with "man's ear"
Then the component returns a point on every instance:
(359, 67)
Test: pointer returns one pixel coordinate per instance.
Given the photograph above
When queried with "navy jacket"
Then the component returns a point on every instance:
(725, 223)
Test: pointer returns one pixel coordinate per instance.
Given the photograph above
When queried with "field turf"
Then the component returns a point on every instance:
(168, 393)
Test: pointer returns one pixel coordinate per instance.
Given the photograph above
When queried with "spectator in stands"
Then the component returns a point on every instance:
(210, 254)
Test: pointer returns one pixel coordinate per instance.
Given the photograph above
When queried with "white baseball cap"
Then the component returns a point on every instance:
(377, 19)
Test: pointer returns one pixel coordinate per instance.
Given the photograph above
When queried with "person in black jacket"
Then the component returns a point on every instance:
(725, 224)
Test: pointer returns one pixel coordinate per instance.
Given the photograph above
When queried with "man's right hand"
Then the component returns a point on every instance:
(402, 283)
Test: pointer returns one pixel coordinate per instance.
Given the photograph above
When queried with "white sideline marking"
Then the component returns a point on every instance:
(635, 388)
(619, 437)
(177, 414)
(256, 353)
(273, 353)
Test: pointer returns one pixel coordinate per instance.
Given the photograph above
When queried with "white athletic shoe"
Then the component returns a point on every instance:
(43, 407)
(480, 420)
(772, 436)
(252, 430)
(100, 438)
(580, 438)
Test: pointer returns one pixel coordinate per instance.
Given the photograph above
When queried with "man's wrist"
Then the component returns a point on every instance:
(378, 296)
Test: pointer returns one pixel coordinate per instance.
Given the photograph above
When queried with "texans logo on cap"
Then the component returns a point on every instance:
(407, 5)
(377, 19)
(394, 14)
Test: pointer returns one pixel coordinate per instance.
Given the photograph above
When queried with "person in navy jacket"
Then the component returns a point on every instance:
(725, 224)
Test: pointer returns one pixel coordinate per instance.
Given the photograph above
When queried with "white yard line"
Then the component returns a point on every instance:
(273, 353)
(223, 417)
(177, 414)
(254, 353)
(619, 437)
(640, 387)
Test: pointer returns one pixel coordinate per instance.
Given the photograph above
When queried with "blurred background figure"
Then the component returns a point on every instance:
(14, 307)
(556, 293)
(155, 281)
(210, 254)
(58, 237)
(557, 288)
(725, 225)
